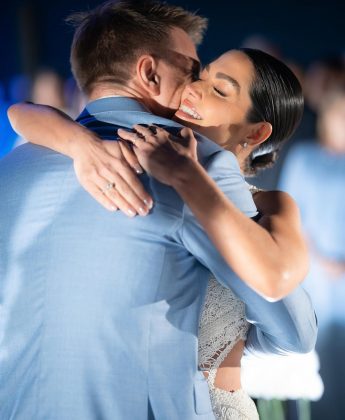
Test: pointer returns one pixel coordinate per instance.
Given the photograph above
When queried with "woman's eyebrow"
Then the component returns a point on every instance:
(230, 79)
(224, 76)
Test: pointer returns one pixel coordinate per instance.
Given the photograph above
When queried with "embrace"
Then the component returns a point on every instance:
(144, 308)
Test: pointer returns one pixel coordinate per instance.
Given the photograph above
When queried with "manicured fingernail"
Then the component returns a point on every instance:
(138, 170)
(142, 211)
(113, 208)
(149, 203)
(131, 212)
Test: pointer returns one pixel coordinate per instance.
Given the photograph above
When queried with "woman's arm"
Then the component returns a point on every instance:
(270, 256)
(96, 162)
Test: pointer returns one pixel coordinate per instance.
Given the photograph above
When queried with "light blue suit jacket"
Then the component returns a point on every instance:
(99, 312)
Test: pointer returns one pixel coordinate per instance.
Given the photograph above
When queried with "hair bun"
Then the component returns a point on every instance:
(260, 162)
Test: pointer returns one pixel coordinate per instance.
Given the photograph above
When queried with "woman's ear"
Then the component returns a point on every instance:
(147, 76)
(259, 132)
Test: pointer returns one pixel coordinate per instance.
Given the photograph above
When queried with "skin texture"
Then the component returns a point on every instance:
(275, 270)
(158, 84)
(221, 99)
(276, 238)
(272, 260)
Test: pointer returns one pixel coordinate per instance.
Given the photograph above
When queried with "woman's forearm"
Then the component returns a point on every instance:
(49, 127)
(97, 163)
(262, 258)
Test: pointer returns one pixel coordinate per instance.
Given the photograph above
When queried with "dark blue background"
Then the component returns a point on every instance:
(303, 30)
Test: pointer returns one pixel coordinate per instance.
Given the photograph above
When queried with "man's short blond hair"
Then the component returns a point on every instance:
(109, 39)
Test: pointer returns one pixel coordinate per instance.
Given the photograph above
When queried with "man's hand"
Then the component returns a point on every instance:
(108, 170)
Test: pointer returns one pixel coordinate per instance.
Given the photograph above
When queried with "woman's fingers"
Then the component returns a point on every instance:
(160, 152)
(100, 197)
(119, 158)
(114, 185)
(187, 133)
(137, 198)
(130, 136)
(130, 157)
(191, 142)
(151, 134)
(106, 194)
(120, 168)
(137, 140)
(141, 134)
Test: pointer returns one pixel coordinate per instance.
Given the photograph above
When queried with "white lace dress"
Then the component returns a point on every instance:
(222, 325)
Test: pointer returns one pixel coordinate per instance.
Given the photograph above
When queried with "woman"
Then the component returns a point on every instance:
(247, 102)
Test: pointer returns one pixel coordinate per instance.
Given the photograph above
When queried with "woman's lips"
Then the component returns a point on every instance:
(187, 110)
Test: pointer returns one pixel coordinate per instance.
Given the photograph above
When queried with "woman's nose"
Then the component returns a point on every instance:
(194, 89)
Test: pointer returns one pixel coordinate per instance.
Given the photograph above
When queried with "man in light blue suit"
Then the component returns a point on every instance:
(99, 312)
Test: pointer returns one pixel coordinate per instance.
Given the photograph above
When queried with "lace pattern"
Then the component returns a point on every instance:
(222, 325)
(233, 405)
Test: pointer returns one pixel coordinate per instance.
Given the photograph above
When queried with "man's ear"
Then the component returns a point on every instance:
(148, 78)
(259, 133)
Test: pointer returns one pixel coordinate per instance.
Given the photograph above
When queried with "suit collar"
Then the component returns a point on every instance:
(125, 112)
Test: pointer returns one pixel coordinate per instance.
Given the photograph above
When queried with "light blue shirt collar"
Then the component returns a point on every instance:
(119, 110)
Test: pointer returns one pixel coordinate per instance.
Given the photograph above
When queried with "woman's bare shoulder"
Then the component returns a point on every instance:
(276, 202)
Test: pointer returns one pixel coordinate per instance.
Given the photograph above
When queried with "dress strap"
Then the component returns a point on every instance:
(253, 189)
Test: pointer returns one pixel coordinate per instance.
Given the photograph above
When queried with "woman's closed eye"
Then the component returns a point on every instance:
(219, 92)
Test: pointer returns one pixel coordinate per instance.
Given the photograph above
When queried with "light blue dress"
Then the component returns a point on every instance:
(315, 177)
(99, 312)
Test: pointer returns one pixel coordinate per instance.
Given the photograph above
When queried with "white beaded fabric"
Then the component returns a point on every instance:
(222, 325)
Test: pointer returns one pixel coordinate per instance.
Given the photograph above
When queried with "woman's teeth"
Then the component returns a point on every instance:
(190, 112)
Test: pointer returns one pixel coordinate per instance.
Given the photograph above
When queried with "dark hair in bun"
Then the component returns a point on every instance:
(264, 161)
(277, 98)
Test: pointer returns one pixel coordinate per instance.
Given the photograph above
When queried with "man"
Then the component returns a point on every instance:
(101, 312)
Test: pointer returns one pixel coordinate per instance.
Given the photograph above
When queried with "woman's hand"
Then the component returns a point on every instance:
(160, 153)
(108, 171)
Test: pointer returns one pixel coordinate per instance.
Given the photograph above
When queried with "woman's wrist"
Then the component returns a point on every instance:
(185, 175)
(78, 140)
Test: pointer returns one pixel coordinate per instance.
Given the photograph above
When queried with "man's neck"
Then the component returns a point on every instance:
(107, 91)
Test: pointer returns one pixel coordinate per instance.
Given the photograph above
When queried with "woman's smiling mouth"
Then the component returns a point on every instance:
(187, 109)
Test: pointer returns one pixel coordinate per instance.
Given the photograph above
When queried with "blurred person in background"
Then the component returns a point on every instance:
(322, 76)
(48, 89)
(74, 98)
(321, 166)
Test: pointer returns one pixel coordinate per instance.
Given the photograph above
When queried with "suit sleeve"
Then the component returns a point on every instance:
(282, 327)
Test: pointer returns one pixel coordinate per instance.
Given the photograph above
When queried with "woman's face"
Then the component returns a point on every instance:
(217, 104)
